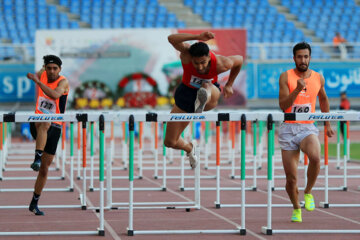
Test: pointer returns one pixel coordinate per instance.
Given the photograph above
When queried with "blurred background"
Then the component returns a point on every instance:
(116, 55)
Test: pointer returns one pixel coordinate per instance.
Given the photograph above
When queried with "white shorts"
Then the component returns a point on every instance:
(291, 134)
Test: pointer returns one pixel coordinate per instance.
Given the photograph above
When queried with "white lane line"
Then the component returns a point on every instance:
(90, 204)
(208, 210)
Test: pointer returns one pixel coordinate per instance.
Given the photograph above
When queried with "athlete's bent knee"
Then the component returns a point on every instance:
(170, 143)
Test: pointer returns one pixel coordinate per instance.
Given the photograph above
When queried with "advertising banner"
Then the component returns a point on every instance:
(108, 55)
(14, 85)
(339, 76)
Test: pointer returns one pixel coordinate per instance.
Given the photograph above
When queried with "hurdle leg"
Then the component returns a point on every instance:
(268, 228)
(164, 158)
(91, 187)
(255, 155)
(84, 166)
(79, 150)
(101, 175)
(345, 157)
(130, 230)
(325, 204)
(156, 162)
(1, 151)
(71, 157)
(217, 203)
(182, 167)
(243, 172)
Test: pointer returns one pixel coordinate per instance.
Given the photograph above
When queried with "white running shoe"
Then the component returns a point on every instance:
(201, 99)
(192, 155)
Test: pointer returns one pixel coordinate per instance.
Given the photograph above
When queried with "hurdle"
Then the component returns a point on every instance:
(167, 118)
(19, 117)
(143, 117)
(354, 116)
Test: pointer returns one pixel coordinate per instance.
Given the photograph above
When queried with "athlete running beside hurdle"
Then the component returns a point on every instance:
(199, 90)
(51, 98)
(298, 90)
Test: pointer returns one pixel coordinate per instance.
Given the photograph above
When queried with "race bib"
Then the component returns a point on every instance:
(301, 108)
(46, 105)
(197, 82)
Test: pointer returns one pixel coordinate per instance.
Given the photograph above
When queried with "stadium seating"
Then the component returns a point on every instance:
(326, 17)
(19, 19)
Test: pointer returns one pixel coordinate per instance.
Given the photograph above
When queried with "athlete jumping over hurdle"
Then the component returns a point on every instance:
(298, 89)
(51, 98)
(199, 90)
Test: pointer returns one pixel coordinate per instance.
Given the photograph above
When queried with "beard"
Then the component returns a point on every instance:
(302, 67)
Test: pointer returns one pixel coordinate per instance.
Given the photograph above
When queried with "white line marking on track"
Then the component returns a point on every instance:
(90, 204)
(208, 210)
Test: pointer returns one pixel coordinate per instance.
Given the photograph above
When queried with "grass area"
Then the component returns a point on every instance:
(354, 150)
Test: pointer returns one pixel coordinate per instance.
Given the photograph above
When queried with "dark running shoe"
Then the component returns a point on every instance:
(36, 165)
(34, 208)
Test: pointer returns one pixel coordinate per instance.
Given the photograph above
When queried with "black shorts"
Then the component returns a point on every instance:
(53, 136)
(185, 97)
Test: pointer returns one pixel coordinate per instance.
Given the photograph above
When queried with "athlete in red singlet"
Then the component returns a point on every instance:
(298, 90)
(199, 89)
(52, 95)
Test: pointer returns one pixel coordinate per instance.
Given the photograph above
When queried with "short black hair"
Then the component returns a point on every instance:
(52, 59)
(199, 49)
(301, 45)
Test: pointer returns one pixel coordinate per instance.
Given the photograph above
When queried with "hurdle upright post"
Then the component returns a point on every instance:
(91, 187)
(79, 150)
(164, 158)
(71, 156)
(1, 150)
(83, 119)
(182, 162)
(325, 204)
(254, 155)
(63, 150)
(131, 176)
(338, 146)
(101, 174)
(217, 203)
(267, 229)
(345, 157)
(243, 172)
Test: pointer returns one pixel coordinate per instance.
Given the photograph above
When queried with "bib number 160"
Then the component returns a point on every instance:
(301, 109)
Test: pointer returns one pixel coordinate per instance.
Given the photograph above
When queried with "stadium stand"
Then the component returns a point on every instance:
(269, 31)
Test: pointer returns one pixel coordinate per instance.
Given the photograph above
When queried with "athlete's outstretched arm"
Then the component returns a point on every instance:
(286, 99)
(178, 39)
(324, 105)
(54, 94)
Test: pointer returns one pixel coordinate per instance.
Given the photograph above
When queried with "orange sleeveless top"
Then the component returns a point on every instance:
(47, 105)
(305, 101)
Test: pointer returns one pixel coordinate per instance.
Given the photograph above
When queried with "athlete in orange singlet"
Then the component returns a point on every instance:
(298, 90)
(52, 95)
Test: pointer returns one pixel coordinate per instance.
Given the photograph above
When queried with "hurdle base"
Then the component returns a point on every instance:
(265, 230)
(345, 189)
(140, 177)
(155, 177)
(324, 205)
(62, 178)
(242, 231)
(254, 189)
(83, 207)
(232, 177)
(182, 189)
(101, 233)
(217, 205)
(130, 232)
(91, 189)
(163, 189)
(71, 190)
(78, 178)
